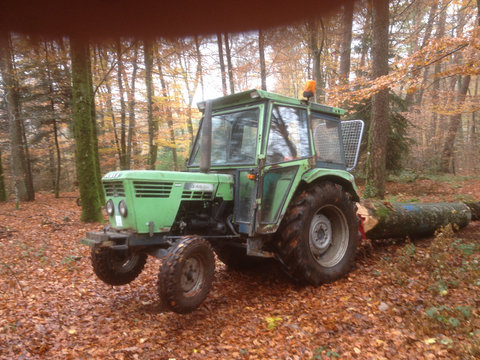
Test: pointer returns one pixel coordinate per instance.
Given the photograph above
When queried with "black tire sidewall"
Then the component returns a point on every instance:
(299, 260)
(105, 271)
(170, 275)
(340, 200)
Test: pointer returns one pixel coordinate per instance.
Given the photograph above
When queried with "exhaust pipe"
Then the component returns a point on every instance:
(206, 140)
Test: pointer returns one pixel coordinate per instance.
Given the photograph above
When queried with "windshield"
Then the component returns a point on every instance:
(234, 138)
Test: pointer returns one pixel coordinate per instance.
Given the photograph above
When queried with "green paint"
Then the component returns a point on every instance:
(157, 195)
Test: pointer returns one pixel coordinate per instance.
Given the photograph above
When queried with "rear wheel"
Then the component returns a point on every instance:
(117, 267)
(186, 275)
(320, 234)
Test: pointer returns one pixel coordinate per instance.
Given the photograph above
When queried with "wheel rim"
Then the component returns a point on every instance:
(193, 274)
(123, 262)
(328, 236)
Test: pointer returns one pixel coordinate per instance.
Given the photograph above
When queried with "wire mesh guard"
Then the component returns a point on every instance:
(326, 139)
(352, 131)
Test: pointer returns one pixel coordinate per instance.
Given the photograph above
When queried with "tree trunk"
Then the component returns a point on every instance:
(17, 147)
(440, 33)
(84, 131)
(152, 124)
(378, 133)
(123, 115)
(93, 124)
(384, 220)
(346, 42)
(316, 54)
(131, 106)
(58, 165)
(229, 64)
(3, 191)
(261, 51)
(190, 89)
(222, 63)
(199, 65)
(168, 111)
(455, 121)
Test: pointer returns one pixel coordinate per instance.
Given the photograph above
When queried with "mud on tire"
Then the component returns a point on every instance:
(186, 274)
(319, 234)
(117, 267)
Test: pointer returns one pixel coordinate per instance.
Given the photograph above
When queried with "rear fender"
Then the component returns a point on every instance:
(341, 177)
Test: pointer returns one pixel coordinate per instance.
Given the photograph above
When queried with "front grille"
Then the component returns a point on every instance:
(152, 189)
(114, 189)
(197, 195)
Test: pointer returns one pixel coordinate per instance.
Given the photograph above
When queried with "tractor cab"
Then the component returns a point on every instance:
(270, 144)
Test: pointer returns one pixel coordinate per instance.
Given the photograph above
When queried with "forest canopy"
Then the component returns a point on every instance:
(145, 91)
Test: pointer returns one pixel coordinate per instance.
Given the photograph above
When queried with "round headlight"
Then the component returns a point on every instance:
(122, 207)
(110, 208)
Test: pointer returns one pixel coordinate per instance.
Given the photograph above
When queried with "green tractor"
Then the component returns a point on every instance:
(267, 178)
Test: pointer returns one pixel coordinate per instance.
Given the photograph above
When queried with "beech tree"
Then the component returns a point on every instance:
(377, 136)
(152, 123)
(21, 172)
(84, 131)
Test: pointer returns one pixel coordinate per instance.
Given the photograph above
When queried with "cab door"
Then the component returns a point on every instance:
(285, 158)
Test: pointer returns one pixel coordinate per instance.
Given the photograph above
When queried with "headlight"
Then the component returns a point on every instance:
(122, 207)
(110, 208)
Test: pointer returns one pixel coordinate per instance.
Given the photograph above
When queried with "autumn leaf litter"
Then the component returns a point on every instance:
(53, 306)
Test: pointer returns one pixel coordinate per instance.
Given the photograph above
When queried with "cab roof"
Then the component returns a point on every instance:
(254, 95)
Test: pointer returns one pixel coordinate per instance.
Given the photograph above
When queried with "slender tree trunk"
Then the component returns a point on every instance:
(440, 33)
(365, 39)
(131, 105)
(114, 121)
(222, 63)
(152, 123)
(190, 90)
(18, 160)
(316, 51)
(3, 191)
(94, 127)
(84, 131)
(261, 51)
(346, 41)
(123, 115)
(168, 111)
(199, 65)
(454, 124)
(229, 63)
(28, 163)
(377, 139)
(58, 164)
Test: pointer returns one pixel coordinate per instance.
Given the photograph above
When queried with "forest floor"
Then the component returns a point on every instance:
(407, 299)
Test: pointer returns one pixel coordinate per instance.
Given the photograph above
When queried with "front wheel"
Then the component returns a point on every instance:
(319, 235)
(117, 267)
(186, 274)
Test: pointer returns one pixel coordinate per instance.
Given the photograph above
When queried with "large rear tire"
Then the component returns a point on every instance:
(319, 235)
(186, 275)
(117, 267)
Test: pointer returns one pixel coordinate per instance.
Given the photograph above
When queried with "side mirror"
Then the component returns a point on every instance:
(206, 140)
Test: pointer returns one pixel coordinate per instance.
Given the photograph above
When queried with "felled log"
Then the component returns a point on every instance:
(385, 220)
